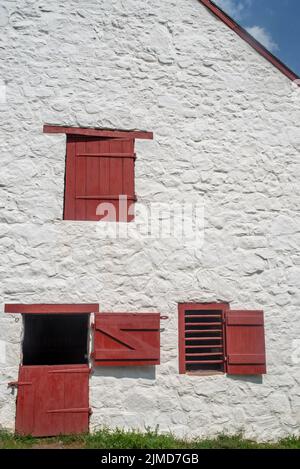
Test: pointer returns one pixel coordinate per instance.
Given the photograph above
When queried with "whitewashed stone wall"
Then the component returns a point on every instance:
(227, 133)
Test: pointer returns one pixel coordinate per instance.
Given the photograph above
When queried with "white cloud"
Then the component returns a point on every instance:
(238, 9)
(263, 36)
(234, 8)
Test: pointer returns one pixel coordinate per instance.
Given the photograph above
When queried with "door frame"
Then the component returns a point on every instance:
(45, 308)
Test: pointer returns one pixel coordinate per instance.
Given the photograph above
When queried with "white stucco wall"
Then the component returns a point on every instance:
(226, 134)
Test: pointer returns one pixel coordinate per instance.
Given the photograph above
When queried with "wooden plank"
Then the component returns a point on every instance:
(108, 155)
(198, 316)
(210, 354)
(92, 132)
(181, 340)
(51, 308)
(206, 346)
(81, 182)
(92, 180)
(104, 197)
(203, 362)
(203, 338)
(70, 178)
(128, 178)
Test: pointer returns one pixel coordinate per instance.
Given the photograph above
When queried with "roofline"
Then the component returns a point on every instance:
(94, 132)
(247, 37)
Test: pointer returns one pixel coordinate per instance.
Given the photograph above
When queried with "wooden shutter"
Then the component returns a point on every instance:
(126, 339)
(245, 342)
(98, 171)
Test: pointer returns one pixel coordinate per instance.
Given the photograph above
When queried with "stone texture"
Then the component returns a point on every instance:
(226, 127)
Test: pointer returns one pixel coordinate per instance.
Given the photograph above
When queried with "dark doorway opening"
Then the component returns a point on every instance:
(55, 339)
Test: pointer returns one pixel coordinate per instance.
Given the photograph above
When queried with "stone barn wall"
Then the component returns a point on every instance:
(226, 129)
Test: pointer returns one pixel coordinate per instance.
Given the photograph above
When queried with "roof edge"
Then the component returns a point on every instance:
(247, 37)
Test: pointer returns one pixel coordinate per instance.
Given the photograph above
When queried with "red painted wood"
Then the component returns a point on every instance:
(108, 155)
(128, 177)
(205, 307)
(70, 179)
(93, 178)
(127, 339)
(51, 308)
(57, 401)
(89, 132)
(249, 39)
(245, 342)
(181, 339)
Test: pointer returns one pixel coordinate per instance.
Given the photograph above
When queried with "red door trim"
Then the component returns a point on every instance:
(51, 308)
(90, 132)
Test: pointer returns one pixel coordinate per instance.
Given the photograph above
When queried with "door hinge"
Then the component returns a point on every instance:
(13, 384)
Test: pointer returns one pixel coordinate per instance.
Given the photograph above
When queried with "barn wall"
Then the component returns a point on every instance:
(226, 135)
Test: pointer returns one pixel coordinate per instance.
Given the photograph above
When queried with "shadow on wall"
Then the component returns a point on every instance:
(256, 379)
(134, 372)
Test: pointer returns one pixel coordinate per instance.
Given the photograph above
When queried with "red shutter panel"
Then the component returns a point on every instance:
(245, 343)
(98, 171)
(126, 339)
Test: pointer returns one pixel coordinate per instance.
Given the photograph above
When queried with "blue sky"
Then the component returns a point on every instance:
(275, 23)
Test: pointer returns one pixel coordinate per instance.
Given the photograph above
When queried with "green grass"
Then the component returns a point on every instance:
(108, 439)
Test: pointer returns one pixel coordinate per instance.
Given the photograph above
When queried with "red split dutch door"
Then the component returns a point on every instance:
(53, 382)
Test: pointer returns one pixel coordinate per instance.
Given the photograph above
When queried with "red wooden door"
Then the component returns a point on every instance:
(52, 400)
(98, 172)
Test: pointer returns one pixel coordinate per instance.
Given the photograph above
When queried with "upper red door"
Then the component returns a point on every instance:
(99, 171)
(53, 400)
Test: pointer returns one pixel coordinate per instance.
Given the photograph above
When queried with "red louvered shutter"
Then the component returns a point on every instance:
(98, 171)
(245, 342)
(126, 339)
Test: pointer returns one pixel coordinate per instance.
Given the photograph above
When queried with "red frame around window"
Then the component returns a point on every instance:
(243, 338)
(182, 307)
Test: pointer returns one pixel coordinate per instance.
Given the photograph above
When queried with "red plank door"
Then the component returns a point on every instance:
(245, 342)
(127, 339)
(52, 400)
(98, 172)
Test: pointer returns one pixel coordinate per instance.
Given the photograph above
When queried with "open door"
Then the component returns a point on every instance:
(53, 384)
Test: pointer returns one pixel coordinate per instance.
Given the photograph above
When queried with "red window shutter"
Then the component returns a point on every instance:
(126, 339)
(245, 342)
(98, 171)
